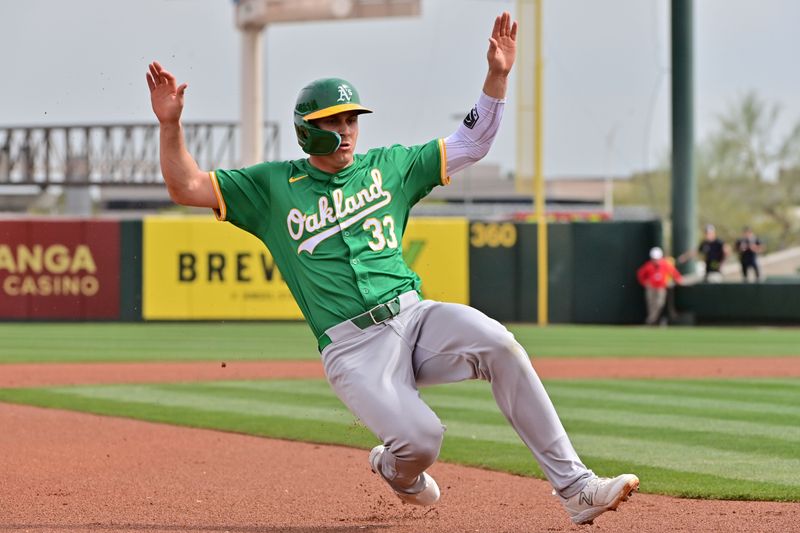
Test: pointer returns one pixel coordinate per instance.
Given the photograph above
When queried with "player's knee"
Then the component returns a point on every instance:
(419, 439)
(426, 450)
(504, 352)
(503, 344)
(426, 442)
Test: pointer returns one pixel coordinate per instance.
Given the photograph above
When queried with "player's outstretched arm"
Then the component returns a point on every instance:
(472, 140)
(186, 183)
(501, 55)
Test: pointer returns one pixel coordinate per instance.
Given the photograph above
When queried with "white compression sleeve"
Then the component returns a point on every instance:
(473, 138)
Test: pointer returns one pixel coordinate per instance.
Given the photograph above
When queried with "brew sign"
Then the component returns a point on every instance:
(200, 269)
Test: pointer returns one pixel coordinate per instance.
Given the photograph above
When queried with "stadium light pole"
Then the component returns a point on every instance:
(684, 186)
(251, 19)
(251, 104)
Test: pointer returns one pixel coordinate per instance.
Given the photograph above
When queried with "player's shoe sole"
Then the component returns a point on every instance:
(598, 496)
(430, 490)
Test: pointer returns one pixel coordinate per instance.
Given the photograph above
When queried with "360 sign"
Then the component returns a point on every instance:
(493, 235)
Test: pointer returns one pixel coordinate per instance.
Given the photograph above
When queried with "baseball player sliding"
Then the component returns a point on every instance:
(334, 223)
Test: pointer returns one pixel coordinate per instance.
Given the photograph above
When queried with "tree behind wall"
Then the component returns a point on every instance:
(745, 176)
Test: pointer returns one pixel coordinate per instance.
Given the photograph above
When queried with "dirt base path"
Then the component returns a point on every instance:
(109, 474)
(36, 375)
(71, 472)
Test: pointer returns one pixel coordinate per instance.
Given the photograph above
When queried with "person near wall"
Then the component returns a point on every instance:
(714, 252)
(656, 275)
(748, 246)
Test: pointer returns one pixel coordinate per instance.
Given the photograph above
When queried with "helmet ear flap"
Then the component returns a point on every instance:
(302, 134)
(314, 140)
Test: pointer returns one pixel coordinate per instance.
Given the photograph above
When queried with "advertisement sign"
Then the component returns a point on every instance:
(198, 268)
(437, 249)
(66, 269)
(201, 269)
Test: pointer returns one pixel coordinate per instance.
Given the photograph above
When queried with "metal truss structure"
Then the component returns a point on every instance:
(113, 154)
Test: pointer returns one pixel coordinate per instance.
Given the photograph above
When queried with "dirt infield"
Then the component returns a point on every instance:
(64, 471)
(34, 375)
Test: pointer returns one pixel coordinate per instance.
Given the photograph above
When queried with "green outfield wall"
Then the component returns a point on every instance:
(740, 303)
(130, 271)
(194, 268)
(591, 269)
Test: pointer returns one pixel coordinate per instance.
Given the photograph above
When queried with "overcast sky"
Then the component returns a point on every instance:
(606, 69)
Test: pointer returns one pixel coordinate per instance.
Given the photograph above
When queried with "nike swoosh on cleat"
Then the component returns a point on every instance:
(298, 178)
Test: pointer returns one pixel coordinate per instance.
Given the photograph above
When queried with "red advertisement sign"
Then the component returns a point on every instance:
(66, 269)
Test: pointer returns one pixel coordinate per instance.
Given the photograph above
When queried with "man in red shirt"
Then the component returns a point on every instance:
(656, 276)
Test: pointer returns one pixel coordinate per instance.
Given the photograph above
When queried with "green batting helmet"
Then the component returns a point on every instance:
(319, 99)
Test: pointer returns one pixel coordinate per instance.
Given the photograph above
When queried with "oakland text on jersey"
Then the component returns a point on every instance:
(359, 205)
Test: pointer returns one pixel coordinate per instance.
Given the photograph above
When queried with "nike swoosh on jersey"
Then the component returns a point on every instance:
(298, 178)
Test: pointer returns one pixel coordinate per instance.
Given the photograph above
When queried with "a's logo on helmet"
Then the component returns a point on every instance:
(345, 93)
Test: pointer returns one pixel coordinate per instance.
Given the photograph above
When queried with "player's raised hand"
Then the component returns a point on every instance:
(166, 96)
(502, 45)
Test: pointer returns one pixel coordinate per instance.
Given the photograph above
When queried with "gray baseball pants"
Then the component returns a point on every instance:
(376, 371)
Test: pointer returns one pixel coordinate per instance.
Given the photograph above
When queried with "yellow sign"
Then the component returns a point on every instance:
(201, 269)
(493, 235)
(198, 268)
(437, 249)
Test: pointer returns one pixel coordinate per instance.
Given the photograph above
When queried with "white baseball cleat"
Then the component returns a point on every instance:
(428, 495)
(600, 494)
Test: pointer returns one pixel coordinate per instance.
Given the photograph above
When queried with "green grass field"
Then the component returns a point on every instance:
(83, 342)
(730, 439)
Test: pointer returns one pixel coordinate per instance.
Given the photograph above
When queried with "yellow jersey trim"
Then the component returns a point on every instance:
(444, 178)
(341, 108)
(222, 212)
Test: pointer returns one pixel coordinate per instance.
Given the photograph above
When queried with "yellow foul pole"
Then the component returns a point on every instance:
(530, 117)
(541, 218)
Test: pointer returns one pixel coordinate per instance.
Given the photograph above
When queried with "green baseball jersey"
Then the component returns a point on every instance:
(336, 238)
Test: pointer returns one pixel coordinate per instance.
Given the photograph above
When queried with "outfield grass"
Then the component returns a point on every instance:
(33, 342)
(730, 439)
(60, 342)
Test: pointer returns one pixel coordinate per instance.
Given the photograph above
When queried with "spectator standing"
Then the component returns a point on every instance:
(714, 252)
(655, 276)
(748, 246)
